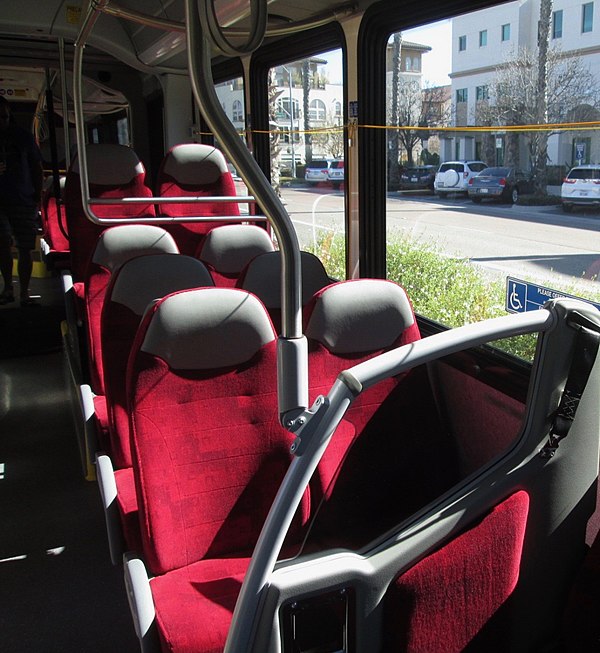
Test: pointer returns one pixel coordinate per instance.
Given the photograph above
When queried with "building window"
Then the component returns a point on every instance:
(505, 32)
(462, 43)
(317, 113)
(462, 95)
(238, 111)
(587, 17)
(557, 17)
(482, 93)
(483, 38)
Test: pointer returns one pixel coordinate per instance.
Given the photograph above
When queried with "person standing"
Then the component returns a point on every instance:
(21, 176)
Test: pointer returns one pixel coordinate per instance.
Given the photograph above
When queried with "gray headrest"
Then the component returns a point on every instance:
(231, 247)
(263, 278)
(118, 244)
(144, 279)
(359, 316)
(194, 163)
(109, 164)
(208, 328)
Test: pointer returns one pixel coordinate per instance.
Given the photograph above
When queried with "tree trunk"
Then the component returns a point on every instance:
(540, 140)
(306, 80)
(394, 136)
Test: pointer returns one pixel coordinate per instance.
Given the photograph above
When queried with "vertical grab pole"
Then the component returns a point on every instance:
(93, 13)
(292, 366)
(65, 100)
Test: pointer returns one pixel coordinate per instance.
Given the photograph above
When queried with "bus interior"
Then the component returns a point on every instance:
(253, 413)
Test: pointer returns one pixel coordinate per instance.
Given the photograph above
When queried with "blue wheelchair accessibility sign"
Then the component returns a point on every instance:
(522, 296)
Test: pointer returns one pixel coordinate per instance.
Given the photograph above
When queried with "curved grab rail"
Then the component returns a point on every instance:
(292, 347)
(319, 424)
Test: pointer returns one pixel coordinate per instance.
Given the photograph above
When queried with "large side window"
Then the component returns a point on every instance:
(307, 152)
(231, 96)
(476, 213)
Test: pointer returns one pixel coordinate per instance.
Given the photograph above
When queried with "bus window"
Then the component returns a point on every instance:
(476, 163)
(307, 152)
(231, 96)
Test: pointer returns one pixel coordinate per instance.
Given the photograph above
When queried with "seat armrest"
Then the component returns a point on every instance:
(108, 491)
(141, 603)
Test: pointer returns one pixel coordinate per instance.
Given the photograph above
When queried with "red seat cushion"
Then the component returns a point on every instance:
(194, 605)
(440, 604)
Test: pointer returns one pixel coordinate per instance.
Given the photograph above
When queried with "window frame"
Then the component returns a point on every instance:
(505, 32)
(483, 34)
(482, 92)
(587, 17)
(462, 95)
(462, 43)
(557, 24)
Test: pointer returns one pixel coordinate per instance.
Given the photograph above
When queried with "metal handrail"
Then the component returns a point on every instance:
(292, 371)
(292, 347)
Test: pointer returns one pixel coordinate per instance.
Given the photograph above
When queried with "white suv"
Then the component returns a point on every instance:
(581, 187)
(454, 176)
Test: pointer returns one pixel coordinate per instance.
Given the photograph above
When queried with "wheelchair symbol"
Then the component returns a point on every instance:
(516, 299)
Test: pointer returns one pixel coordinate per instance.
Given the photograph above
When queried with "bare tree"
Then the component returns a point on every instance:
(418, 107)
(274, 137)
(306, 85)
(393, 134)
(335, 143)
(539, 87)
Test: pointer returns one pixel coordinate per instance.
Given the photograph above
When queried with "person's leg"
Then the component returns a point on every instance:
(24, 228)
(6, 263)
(24, 268)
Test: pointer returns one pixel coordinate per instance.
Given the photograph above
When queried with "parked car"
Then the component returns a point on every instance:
(581, 187)
(335, 172)
(418, 178)
(501, 183)
(317, 171)
(454, 176)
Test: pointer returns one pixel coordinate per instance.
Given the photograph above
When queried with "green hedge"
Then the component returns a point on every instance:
(451, 291)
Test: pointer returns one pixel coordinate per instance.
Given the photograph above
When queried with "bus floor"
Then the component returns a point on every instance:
(59, 592)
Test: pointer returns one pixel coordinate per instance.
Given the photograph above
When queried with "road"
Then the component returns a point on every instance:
(542, 243)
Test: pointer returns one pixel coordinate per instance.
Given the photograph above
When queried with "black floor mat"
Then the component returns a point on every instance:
(30, 330)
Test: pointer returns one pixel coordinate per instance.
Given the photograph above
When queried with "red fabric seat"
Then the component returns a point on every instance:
(340, 321)
(443, 602)
(228, 249)
(262, 277)
(132, 288)
(194, 170)
(208, 454)
(115, 246)
(114, 171)
(54, 224)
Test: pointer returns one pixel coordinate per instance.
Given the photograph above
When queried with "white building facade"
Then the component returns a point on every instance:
(484, 40)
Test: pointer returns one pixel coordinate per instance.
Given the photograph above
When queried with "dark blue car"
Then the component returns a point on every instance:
(503, 183)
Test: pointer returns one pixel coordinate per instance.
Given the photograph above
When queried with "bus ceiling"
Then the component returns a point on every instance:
(144, 35)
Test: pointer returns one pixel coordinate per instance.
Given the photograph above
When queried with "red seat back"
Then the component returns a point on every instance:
(114, 172)
(346, 323)
(228, 249)
(262, 277)
(54, 222)
(190, 170)
(115, 246)
(208, 451)
(132, 288)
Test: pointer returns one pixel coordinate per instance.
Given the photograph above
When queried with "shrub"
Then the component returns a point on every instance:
(447, 290)
(450, 291)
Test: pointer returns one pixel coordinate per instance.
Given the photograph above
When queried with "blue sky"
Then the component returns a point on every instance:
(436, 64)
